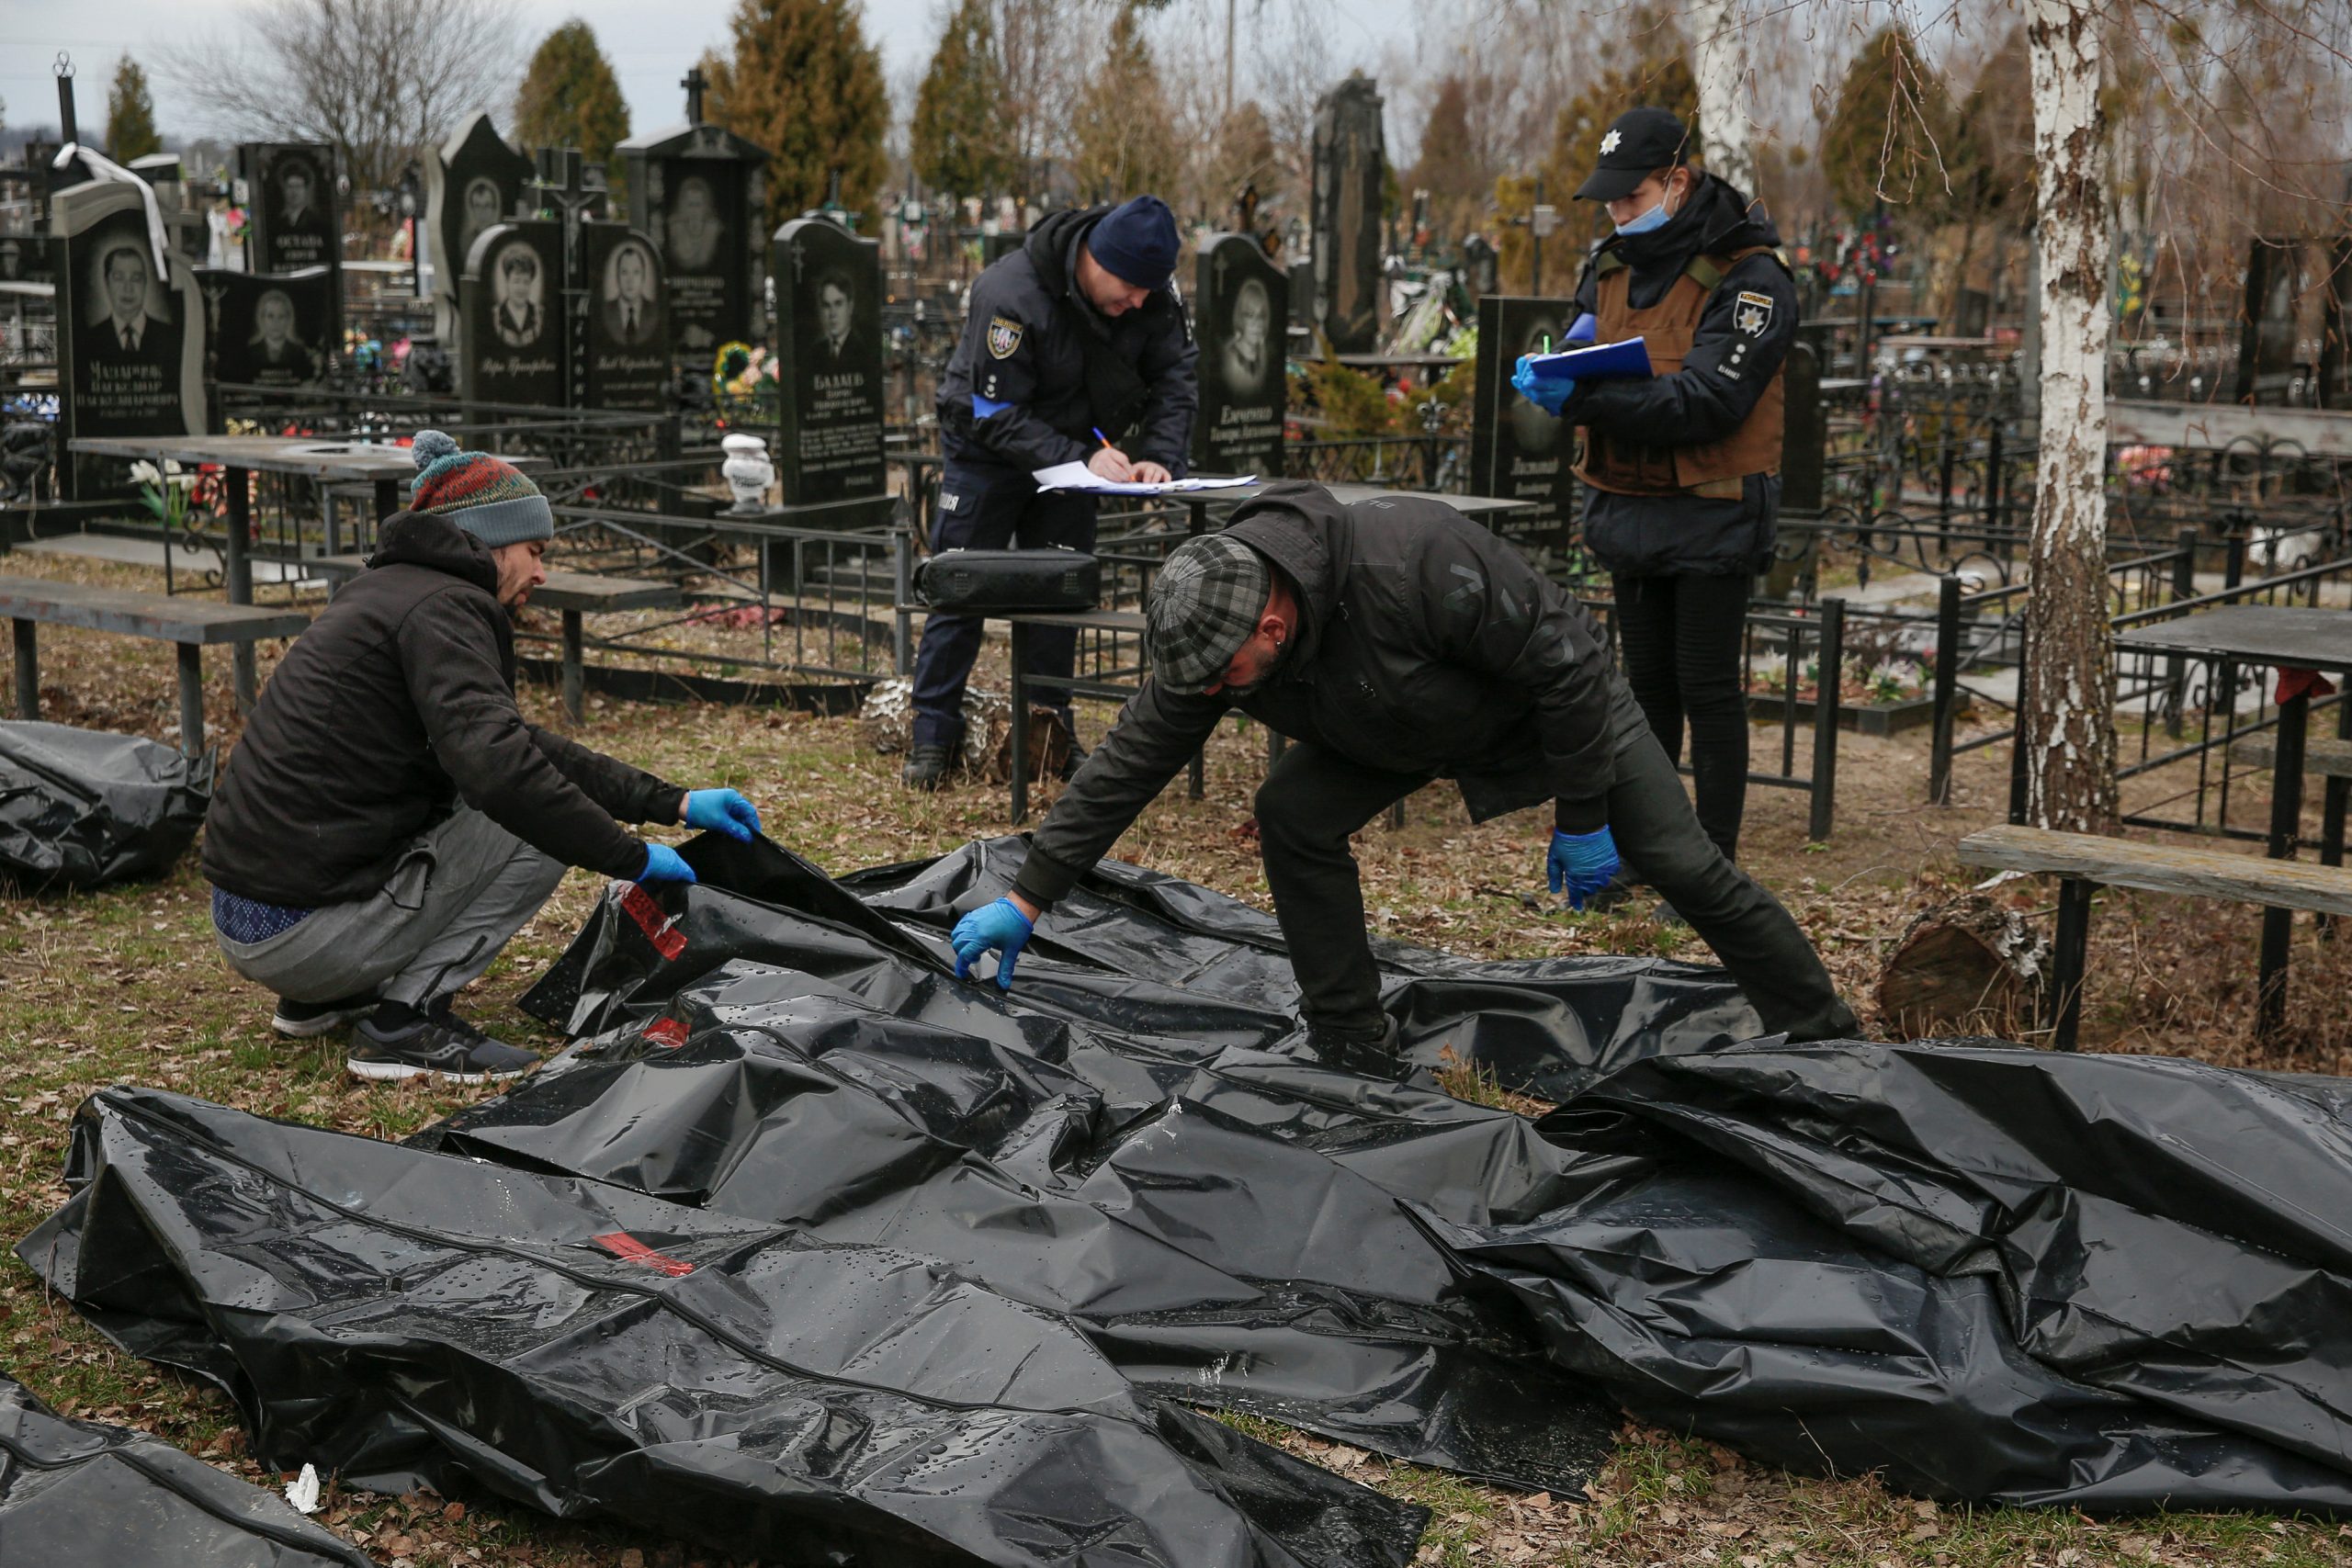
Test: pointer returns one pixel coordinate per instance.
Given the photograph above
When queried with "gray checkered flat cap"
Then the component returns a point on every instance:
(1204, 607)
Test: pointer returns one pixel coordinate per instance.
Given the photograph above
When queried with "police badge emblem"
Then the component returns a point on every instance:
(1753, 313)
(1004, 336)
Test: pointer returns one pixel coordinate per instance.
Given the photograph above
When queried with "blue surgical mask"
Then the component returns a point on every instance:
(1654, 218)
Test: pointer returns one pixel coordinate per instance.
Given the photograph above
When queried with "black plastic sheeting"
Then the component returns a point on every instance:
(84, 807)
(403, 1318)
(80, 1495)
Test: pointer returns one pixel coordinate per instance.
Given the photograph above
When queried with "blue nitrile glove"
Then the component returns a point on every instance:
(1545, 394)
(722, 811)
(663, 863)
(1581, 864)
(1000, 926)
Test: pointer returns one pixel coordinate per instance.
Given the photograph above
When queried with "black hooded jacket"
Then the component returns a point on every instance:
(1050, 369)
(1426, 646)
(1705, 400)
(396, 703)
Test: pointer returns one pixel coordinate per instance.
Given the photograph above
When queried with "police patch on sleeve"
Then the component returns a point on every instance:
(1752, 313)
(1004, 336)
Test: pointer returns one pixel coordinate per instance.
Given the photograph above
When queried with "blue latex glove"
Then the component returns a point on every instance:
(1544, 393)
(663, 863)
(722, 811)
(998, 926)
(1581, 864)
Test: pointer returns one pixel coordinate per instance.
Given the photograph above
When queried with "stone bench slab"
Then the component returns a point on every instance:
(164, 617)
(2162, 868)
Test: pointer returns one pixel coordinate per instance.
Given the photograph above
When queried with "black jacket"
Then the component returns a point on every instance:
(1427, 645)
(1061, 370)
(1714, 391)
(396, 703)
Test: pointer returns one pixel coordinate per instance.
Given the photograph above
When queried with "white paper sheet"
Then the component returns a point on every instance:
(1078, 478)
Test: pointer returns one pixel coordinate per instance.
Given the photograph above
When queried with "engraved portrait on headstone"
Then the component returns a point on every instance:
(513, 349)
(1517, 451)
(695, 191)
(1240, 299)
(472, 181)
(130, 328)
(829, 332)
(293, 195)
(628, 363)
(265, 330)
(696, 230)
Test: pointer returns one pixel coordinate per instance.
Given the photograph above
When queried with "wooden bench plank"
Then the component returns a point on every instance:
(164, 617)
(2327, 758)
(583, 591)
(2162, 868)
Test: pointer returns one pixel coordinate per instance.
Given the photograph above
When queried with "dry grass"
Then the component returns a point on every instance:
(124, 985)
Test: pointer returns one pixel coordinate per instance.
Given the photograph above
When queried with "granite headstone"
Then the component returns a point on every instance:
(829, 342)
(266, 328)
(291, 213)
(514, 337)
(131, 329)
(473, 180)
(627, 365)
(1517, 451)
(698, 193)
(1804, 430)
(1349, 166)
(1242, 301)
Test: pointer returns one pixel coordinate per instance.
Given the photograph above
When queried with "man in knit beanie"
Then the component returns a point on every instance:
(1075, 349)
(389, 819)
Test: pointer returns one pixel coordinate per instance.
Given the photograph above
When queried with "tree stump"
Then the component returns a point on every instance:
(1966, 967)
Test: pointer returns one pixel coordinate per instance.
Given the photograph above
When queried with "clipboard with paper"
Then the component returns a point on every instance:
(1609, 361)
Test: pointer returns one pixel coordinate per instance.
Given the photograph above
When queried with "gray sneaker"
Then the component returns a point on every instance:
(440, 1045)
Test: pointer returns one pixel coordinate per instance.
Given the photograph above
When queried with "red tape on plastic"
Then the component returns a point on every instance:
(640, 906)
(628, 1249)
(666, 1032)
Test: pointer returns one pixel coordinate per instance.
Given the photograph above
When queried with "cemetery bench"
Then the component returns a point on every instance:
(573, 593)
(2086, 860)
(192, 624)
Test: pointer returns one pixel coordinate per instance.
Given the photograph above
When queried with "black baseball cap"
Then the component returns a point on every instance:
(1637, 144)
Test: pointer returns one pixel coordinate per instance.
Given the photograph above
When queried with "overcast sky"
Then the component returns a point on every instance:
(651, 42)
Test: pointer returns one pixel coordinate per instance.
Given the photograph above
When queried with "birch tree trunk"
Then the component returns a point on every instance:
(1726, 138)
(2068, 724)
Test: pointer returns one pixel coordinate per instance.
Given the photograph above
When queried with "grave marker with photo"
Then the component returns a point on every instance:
(698, 192)
(626, 363)
(1241, 300)
(1517, 451)
(292, 217)
(829, 344)
(514, 332)
(130, 329)
(267, 330)
(472, 181)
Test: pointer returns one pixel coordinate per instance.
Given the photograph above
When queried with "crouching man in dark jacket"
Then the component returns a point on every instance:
(389, 819)
(1397, 642)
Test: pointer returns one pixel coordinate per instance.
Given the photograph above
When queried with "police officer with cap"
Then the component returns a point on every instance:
(1681, 470)
(1075, 349)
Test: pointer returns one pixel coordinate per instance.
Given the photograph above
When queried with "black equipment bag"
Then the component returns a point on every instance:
(997, 582)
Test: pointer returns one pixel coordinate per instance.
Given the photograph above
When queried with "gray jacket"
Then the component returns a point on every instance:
(1428, 645)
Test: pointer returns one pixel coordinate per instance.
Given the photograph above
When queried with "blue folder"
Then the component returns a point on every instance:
(1620, 360)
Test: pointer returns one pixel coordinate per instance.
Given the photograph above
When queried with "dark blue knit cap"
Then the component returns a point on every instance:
(1136, 242)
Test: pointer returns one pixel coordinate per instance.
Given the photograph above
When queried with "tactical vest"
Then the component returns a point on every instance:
(1713, 468)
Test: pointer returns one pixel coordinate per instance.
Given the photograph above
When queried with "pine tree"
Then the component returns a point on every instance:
(130, 115)
(1885, 134)
(960, 139)
(569, 96)
(804, 84)
(1122, 143)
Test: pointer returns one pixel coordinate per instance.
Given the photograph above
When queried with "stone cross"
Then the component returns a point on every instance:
(693, 83)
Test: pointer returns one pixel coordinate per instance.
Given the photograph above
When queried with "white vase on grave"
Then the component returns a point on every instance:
(748, 471)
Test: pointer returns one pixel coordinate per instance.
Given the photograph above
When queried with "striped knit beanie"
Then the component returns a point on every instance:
(488, 497)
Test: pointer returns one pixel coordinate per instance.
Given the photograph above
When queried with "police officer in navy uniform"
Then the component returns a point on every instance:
(1077, 333)
(1681, 470)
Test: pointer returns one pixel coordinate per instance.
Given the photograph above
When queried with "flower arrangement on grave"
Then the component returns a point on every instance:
(741, 377)
(166, 492)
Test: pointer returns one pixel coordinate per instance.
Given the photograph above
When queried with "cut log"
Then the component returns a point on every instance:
(1966, 967)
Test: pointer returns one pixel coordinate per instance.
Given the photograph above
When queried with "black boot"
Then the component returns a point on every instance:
(1372, 1053)
(926, 767)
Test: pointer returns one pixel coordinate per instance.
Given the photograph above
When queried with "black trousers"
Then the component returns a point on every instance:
(1314, 799)
(1681, 638)
(983, 506)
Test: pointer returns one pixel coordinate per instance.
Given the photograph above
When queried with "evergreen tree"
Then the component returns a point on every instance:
(1244, 158)
(130, 115)
(960, 136)
(804, 84)
(1885, 133)
(1449, 166)
(1121, 135)
(570, 97)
